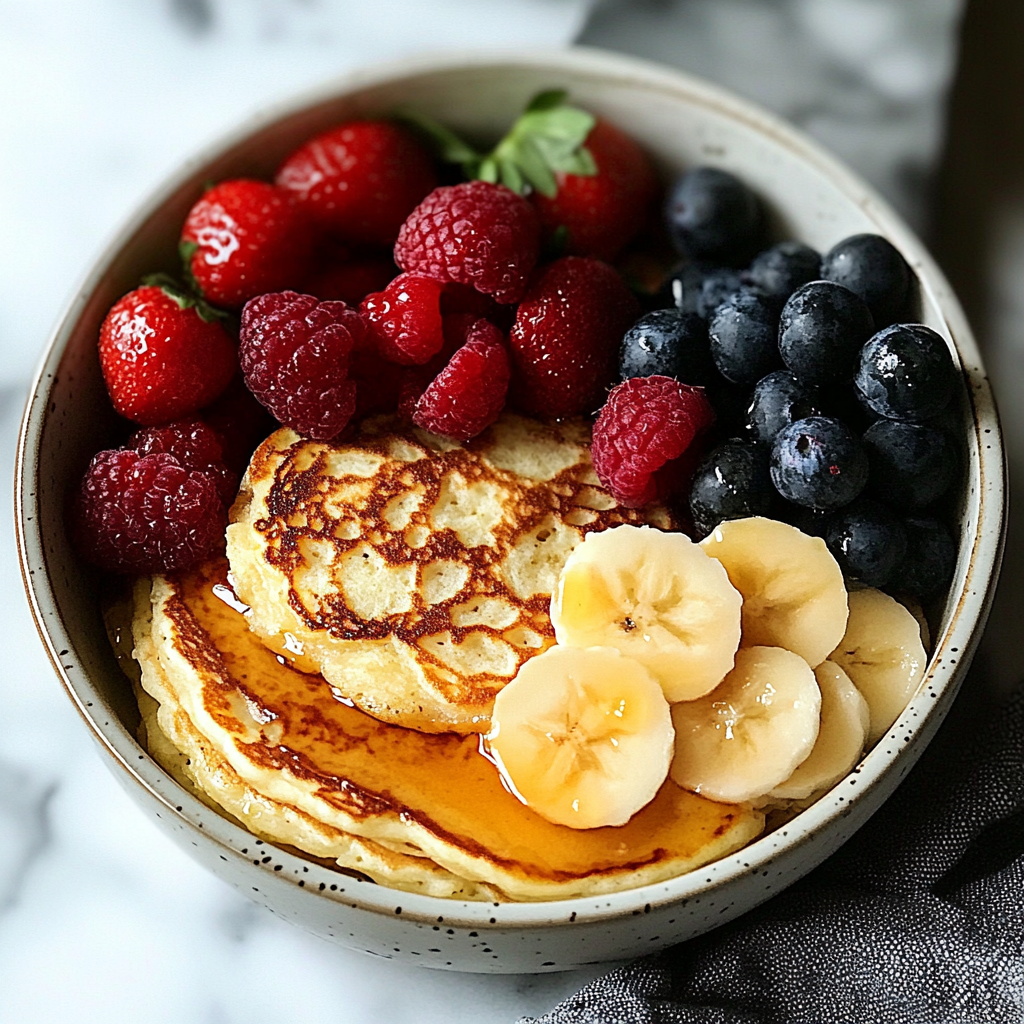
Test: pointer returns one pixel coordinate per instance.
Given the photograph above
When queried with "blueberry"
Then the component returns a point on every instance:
(822, 328)
(669, 343)
(927, 568)
(778, 400)
(731, 482)
(818, 462)
(718, 285)
(871, 267)
(712, 215)
(730, 402)
(683, 286)
(744, 337)
(868, 542)
(911, 465)
(783, 268)
(905, 372)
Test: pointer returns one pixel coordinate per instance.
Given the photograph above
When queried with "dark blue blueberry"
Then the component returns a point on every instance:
(711, 215)
(731, 482)
(669, 343)
(927, 568)
(778, 400)
(718, 285)
(822, 328)
(905, 372)
(871, 267)
(683, 285)
(783, 268)
(744, 337)
(868, 542)
(819, 463)
(911, 465)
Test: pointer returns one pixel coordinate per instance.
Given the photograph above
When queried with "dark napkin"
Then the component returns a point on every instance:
(918, 919)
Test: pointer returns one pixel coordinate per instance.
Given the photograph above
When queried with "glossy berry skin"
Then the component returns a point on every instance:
(359, 180)
(566, 337)
(160, 360)
(821, 331)
(927, 569)
(474, 233)
(195, 445)
(779, 399)
(731, 482)
(868, 542)
(244, 238)
(744, 337)
(718, 285)
(668, 343)
(783, 268)
(601, 212)
(905, 372)
(712, 215)
(872, 268)
(819, 463)
(911, 465)
(405, 319)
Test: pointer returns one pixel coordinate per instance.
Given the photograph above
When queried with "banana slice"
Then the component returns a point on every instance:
(656, 597)
(748, 736)
(583, 736)
(882, 653)
(792, 587)
(844, 726)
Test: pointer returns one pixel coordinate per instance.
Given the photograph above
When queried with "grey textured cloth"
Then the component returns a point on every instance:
(919, 919)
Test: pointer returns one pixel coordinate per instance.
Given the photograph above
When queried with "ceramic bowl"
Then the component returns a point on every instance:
(682, 122)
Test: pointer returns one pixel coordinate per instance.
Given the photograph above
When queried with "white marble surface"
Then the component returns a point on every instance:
(101, 919)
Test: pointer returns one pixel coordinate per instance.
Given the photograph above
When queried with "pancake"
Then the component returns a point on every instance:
(416, 574)
(291, 758)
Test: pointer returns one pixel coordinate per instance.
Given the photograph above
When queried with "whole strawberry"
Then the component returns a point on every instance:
(566, 336)
(245, 238)
(163, 355)
(359, 180)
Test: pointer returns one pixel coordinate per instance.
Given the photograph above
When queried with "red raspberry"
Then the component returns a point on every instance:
(142, 514)
(467, 396)
(567, 334)
(294, 353)
(461, 299)
(475, 233)
(360, 180)
(351, 280)
(195, 445)
(244, 238)
(160, 359)
(646, 424)
(405, 319)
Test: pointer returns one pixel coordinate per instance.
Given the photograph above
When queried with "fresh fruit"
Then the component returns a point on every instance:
(911, 465)
(583, 736)
(744, 333)
(645, 426)
(667, 343)
(475, 233)
(197, 448)
(359, 180)
(783, 268)
(748, 735)
(868, 542)
(657, 598)
(566, 334)
(871, 267)
(779, 399)
(792, 587)
(244, 238)
(881, 651)
(844, 725)
(240, 421)
(905, 372)
(351, 279)
(718, 285)
(822, 329)
(927, 568)
(163, 355)
(294, 353)
(731, 482)
(405, 319)
(818, 462)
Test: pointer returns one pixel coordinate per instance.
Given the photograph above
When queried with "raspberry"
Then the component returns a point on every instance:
(196, 447)
(567, 334)
(141, 514)
(350, 280)
(475, 233)
(405, 319)
(294, 352)
(647, 424)
(468, 395)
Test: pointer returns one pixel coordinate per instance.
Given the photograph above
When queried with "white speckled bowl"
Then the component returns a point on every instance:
(682, 121)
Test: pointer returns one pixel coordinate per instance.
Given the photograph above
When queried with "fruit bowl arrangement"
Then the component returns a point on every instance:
(806, 432)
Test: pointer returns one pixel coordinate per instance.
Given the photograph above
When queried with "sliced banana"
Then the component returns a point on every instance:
(656, 597)
(882, 653)
(583, 736)
(748, 736)
(792, 587)
(844, 726)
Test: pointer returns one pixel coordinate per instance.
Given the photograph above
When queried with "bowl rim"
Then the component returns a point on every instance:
(917, 722)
